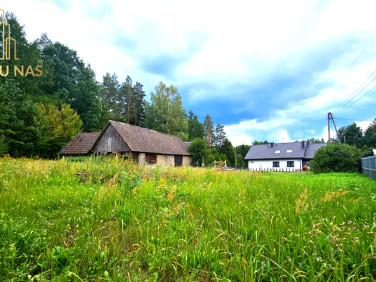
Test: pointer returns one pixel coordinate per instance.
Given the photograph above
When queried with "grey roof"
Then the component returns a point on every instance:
(297, 150)
(144, 140)
(81, 144)
(311, 150)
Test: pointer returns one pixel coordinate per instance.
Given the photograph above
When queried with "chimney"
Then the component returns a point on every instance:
(303, 144)
(271, 144)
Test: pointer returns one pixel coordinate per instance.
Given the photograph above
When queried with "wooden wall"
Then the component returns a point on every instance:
(111, 142)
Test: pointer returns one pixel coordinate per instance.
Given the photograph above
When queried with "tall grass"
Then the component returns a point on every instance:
(94, 219)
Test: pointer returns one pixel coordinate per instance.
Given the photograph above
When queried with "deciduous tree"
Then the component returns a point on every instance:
(165, 113)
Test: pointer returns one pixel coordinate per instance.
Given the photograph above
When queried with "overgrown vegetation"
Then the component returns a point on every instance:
(337, 157)
(92, 219)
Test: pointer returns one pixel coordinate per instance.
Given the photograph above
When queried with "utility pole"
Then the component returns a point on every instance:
(331, 118)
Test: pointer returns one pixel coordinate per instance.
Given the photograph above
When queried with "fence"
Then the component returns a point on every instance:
(369, 166)
(275, 169)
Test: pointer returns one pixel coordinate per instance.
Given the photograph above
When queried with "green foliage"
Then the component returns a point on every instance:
(198, 150)
(125, 222)
(370, 135)
(240, 161)
(336, 157)
(260, 142)
(351, 134)
(125, 102)
(17, 125)
(3, 146)
(73, 82)
(125, 99)
(195, 128)
(243, 150)
(313, 140)
(165, 113)
(202, 155)
(137, 116)
(56, 127)
(228, 150)
(213, 155)
(109, 92)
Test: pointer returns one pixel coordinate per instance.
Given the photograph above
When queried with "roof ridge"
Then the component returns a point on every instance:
(145, 128)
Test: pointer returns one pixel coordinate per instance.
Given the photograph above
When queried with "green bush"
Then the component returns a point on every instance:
(198, 150)
(336, 158)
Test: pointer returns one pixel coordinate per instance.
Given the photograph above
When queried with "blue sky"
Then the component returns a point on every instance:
(265, 69)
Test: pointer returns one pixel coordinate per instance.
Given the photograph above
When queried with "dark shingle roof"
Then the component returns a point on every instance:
(311, 150)
(144, 140)
(268, 152)
(81, 144)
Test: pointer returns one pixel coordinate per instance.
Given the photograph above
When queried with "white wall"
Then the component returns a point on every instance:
(268, 165)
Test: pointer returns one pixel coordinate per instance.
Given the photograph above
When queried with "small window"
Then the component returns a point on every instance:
(151, 158)
(275, 164)
(289, 151)
(290, 163)
(277, 152)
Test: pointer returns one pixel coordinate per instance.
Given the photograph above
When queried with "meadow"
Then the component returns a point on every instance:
(107, 219)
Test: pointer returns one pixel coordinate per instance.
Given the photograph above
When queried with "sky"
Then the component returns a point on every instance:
(267, 70)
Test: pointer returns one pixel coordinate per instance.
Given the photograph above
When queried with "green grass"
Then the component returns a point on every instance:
(119, 221)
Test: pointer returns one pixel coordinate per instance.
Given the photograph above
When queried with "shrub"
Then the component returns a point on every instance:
(336, 158)
(198, 150)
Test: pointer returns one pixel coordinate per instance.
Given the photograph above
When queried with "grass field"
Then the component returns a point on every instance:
(119, 221)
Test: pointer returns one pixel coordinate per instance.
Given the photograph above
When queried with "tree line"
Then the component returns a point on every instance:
(39, 115)
(353, 135)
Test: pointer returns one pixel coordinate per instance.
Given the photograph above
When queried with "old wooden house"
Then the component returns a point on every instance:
(140, 144)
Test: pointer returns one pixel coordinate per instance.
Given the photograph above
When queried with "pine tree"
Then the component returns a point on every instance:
(138, 116)
(220, 135)
(126, 99)
(109, 93)
(209, 130)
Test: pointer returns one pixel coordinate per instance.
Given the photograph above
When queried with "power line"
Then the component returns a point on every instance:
(348, 102)
(363, 95)
(355, 92)
(352, 119)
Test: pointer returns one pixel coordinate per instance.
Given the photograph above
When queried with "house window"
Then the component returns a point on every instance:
(275, 164)
(290, 163)
(151, 158)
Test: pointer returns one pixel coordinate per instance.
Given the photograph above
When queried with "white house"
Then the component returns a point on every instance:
(281, 156)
